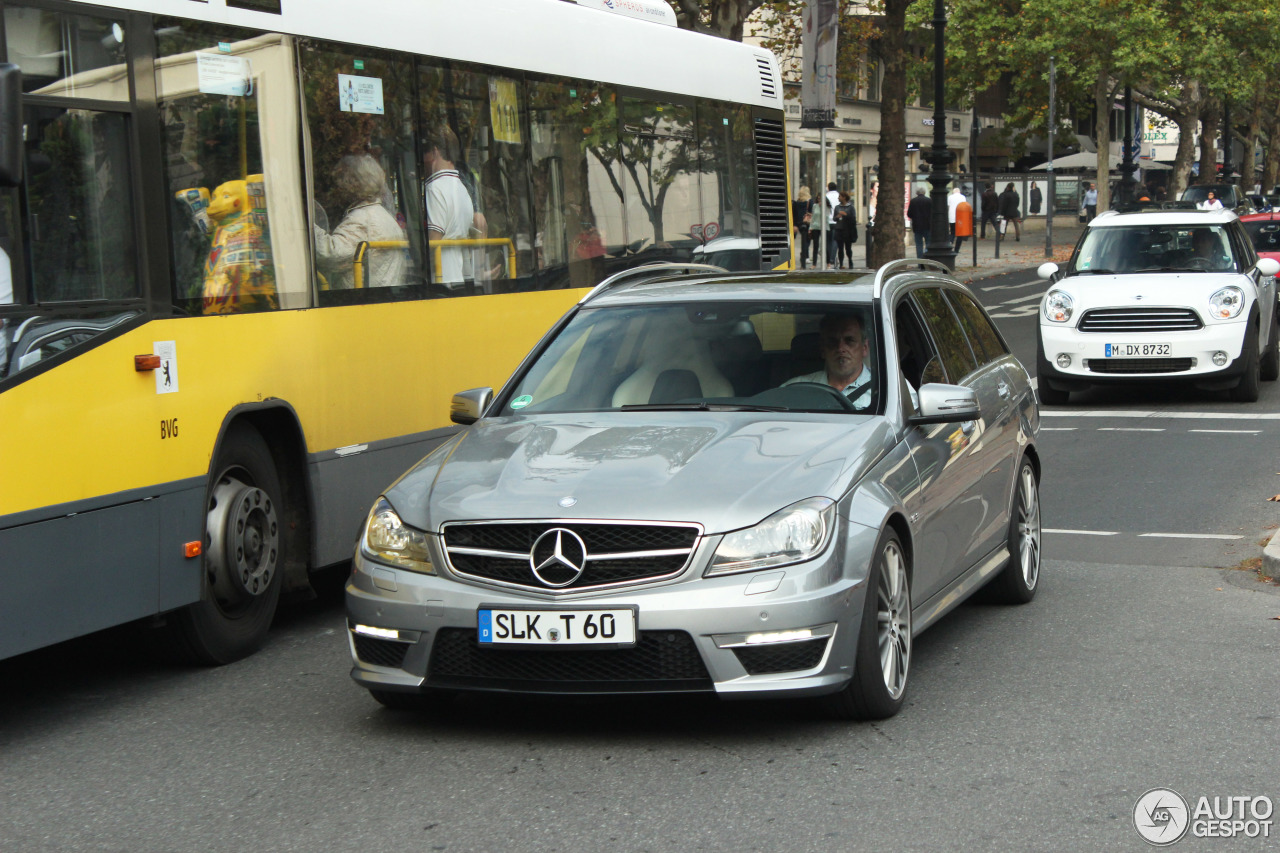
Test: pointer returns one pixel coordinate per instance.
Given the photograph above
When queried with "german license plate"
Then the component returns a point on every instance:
(1139, 350)
(598, 627)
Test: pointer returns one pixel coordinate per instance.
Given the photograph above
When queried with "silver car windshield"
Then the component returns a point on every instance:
(708, 357)
(1154, 248)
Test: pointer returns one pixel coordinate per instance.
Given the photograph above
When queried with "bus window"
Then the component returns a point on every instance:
(485, 114)
(660, 157)
(730, 233)
(364, 175)
(56, 51)
(577, 208)
(228, 108)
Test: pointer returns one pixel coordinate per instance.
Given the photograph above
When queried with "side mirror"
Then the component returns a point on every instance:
(1268, 266)
(945, 404)
(10, 125)
(469, 406)
(1047, 270)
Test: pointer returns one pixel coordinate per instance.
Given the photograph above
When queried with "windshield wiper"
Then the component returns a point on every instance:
(700, 407)
(1094, 272)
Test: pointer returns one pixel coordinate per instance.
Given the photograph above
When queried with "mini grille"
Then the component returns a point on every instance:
(646, 547)
(661, 661)
(380, 652)
(771, 177)
(1140, 320)
(1140, 365)
(767, 87)
(781, 657)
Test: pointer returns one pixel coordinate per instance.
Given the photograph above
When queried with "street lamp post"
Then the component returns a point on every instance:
(940, 247)
(1127, 166)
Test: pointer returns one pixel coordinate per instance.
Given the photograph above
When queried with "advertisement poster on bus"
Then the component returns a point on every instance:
(360, 94)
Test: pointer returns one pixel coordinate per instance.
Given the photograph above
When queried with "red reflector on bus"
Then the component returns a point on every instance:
(146, 362)
(193, 549)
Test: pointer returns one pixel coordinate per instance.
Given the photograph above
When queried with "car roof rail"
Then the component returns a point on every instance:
(647, 271)
(901, 265)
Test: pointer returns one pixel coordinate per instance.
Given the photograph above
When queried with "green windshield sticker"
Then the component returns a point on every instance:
(521, 402)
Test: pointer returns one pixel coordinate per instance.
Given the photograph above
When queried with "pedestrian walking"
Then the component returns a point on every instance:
(920, 213)
(816, 220)
(1009, 201)
(1090, 203)
(1037, 198)
(953, 200)
(964, 222)
(833, 199)
(990, 210)
(846, 231)
(802, 217)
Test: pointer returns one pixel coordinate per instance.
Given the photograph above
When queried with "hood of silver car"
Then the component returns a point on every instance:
(723, 470)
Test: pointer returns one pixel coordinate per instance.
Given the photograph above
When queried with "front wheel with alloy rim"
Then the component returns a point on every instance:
(1017, 582)
(244, 555)
(882, 661)
(1247, 389)
(1269, 367)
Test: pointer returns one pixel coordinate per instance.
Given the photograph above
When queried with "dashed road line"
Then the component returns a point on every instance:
(1190, 536)
(1230, 431)
(1131, 429)
(1082, 532)
(1207, 416)
(1058, 429)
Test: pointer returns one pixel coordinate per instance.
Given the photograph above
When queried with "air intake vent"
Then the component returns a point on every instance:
(771, 177)
(768, 88)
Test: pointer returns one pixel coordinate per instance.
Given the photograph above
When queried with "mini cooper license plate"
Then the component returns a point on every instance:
(611, 628)
(1139, 350)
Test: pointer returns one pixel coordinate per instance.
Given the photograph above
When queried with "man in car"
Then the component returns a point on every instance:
(1207, 252)
(844, 350)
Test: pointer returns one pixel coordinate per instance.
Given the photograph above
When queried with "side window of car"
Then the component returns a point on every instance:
(1243, 246)
(953, 346)
(983, 336)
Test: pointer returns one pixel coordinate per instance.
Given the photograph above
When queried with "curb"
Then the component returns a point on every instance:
(1271, 558)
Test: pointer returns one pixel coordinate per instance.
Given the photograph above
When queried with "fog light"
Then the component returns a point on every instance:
(1220, 358)
(380, 633)
(1064, 359)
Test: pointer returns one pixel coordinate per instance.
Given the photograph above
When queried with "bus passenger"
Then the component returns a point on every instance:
(450, 211)
(360, 183)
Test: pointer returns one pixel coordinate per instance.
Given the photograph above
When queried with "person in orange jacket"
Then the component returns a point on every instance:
(964, 222)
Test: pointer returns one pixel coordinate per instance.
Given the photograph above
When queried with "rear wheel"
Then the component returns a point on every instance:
(244, 555)
(882, 661)
(1269, 368)
(1246, 391)
(1017, 582)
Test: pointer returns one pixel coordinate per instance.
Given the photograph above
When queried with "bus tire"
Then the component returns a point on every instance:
(244, 555)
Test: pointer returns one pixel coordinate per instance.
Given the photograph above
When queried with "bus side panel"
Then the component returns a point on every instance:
(345, 488)
(81, 573)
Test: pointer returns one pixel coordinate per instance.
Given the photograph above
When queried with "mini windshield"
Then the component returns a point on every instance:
(1154, 248)
(1265, 235)
(708, 357)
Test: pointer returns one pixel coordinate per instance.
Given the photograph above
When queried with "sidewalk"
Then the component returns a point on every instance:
(1014, 254)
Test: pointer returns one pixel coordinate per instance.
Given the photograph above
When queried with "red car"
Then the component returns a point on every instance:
(1264, 230)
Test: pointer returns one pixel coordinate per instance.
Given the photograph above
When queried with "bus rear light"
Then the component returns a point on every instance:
(146, 362)
(193, 549)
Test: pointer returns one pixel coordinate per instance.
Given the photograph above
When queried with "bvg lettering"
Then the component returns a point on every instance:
(169, 428)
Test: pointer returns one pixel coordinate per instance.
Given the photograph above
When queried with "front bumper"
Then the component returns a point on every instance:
(698, 626)
(1191, 352)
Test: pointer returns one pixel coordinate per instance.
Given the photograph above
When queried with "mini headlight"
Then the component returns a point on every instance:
(791, 535)
(1226, 303)
(389, 540)
(1057, 306)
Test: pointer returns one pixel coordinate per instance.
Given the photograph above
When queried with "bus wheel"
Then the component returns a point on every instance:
(244, 554)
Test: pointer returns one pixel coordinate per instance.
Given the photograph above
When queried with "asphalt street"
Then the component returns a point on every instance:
(1142, 663)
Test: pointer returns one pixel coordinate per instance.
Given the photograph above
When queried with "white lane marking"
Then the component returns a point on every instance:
(1130, 429)
(1190, 535)
(1080, 532)
(1208, 416)
(1058, 429)
(1231, 431)
(1019, 311)
(1019, 299)
(1036, 281)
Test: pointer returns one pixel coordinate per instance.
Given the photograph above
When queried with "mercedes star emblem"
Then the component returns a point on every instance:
(558, 557)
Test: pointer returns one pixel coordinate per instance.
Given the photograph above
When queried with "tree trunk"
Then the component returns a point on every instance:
(726, 17)
(1187, 124)
(1210, 119)
(1248, 168)
(1102, 104)
(1271, 162)
(890, 232)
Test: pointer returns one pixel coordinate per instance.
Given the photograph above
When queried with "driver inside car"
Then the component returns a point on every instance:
(844, 351)
(1207, 251)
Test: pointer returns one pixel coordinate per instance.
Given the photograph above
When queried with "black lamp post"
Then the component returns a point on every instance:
(940, 247)
(1127, 166)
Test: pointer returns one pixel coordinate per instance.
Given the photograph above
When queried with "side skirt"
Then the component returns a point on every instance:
(960, 589)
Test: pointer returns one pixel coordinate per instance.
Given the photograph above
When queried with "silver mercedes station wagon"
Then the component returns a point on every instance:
(757, 485)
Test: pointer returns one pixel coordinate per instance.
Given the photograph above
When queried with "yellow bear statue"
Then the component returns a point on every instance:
(238, 274)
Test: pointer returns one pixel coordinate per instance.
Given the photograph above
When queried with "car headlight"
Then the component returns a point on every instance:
(1058, 306)
(389, 540)
(1226, 303)
(791, 535)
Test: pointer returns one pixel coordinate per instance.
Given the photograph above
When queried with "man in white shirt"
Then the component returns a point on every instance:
(450, 213)
(844, 350)
(833, 199)
(953, 201)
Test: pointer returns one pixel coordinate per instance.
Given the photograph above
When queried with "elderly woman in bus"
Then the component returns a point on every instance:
(361, 185)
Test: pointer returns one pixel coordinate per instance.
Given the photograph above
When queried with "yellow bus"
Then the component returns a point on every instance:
(251, 248)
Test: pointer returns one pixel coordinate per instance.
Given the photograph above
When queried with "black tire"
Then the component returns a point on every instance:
(244, 567)
(1269, 368)
(1047, 395)
(416, 702)
(1246, 390)
(1018, 581)
(872, 693)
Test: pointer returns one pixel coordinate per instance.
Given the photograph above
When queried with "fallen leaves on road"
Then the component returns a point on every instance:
(1274, 498)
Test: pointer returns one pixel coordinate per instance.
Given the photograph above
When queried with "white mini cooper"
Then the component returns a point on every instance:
(1158, 296)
